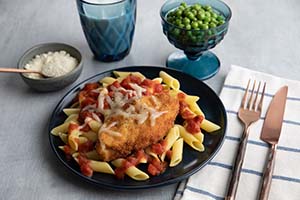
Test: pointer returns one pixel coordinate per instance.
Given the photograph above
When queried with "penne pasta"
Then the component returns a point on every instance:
(190, 139)
(190, 99)
(209, 126)
(169, 80)
(63, 137)
(171, 137)
(93, 155)
(94, 125)
(63, 128)
(199, 136)
(107, 80)
(99, 166)
(72, 117)
(73, 139)
(132, 171)
(90, 135)
(125, 74)
(157, 80)
(151, 153)
(177, 149)
(196, 109)
(70, 111)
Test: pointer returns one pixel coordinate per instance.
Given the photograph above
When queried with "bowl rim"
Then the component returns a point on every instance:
(41, 45)
(194, 30)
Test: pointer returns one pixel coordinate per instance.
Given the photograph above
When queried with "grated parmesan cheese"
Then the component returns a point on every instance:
(51, 64)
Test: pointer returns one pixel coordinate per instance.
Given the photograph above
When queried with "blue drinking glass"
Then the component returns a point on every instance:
(195, 59)
(108, 26)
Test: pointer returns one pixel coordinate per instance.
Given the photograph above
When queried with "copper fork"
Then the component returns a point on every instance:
(249, 112)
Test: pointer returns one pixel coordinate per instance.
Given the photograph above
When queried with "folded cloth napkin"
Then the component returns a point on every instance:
(211, 181)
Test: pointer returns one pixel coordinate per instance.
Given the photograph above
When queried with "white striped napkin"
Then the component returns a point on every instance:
(211, 181)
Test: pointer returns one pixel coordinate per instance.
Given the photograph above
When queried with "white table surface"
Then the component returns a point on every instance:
(263, 35)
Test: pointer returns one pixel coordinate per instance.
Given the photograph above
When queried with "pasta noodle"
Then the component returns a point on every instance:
(190, 139)
(169, 80)
(209, 126)
(171, 137)
(176, 152)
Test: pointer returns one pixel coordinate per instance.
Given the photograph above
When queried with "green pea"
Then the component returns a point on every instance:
(181, 7)
(194, 25)
(221, 22)
(214, 15)
(201, 15)
(207, 14)
(212, 25)
(190, 15)
(183, 4)
(204, 26)
(194, 11)
(219, 18)
(186, 20)
(178, 13)
(181, 25)
(197, 6)
(193, 39)
(188, 27)
(206, 19)
(207, 7)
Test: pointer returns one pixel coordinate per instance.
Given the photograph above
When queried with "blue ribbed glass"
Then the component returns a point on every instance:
(108, 26)
(195, 58)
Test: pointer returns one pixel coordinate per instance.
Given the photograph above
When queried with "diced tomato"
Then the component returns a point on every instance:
(152, 170)
(185, 111)
(158, 88)
(147, 82)
(156, 167)
(93, 95)
(68, 152)
(86, 146)
(120, 171)
(111, 93)
(134, 161)
(91, 86)
(193, 125)
(157, 148)
(135, 79)
(141, 155)
(87, 101)
(115, 84)
(83, 115)
(125, 83)
(84, 166)
(72, 127)
(181, 96)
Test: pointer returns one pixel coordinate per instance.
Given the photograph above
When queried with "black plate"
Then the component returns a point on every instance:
(192, 160)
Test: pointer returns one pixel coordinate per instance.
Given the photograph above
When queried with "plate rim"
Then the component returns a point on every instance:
(127, 187)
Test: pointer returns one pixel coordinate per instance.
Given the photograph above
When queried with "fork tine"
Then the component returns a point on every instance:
(254, 105)
(245, 95)
(261, 98)
(250, 100)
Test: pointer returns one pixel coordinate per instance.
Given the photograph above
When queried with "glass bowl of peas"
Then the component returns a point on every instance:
(195, 26)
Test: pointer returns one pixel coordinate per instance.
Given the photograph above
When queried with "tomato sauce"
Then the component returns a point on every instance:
(86, 146)
(84, 166)
(193, 125)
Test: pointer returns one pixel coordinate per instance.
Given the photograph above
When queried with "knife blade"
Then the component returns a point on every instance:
(274, 117)
(270, 133)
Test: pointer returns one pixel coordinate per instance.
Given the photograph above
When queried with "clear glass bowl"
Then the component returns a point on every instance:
(195, 59)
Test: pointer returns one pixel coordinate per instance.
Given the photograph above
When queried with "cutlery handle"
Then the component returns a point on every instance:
(267, 176)
(237, 168)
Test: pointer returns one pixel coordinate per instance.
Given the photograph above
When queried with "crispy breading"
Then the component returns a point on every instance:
(136, 136)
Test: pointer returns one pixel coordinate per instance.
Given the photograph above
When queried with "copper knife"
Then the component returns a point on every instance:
(270, 134)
